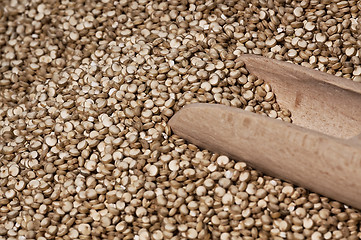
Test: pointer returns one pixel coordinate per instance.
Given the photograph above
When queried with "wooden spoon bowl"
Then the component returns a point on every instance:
(321, 151)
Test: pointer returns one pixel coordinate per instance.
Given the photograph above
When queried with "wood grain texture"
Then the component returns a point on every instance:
(324, 164)
(317, 100)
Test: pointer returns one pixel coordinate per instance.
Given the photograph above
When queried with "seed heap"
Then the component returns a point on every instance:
(87, 88)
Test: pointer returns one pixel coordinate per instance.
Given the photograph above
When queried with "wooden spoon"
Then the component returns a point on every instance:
(321, 151)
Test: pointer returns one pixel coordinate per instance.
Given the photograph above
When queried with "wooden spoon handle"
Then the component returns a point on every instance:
(324, 164)
(356, 140)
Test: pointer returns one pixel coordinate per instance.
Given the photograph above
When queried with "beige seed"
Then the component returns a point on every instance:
(131, 69)
(249, 222)
(173, 165)
(209, 183)
(201, 191)
(269, 96)
(302, 44)
(149, 195)
(227, 199)
(250, 45)
(67, 206)
(245, 176)
(298, 11)
(307, 223)
(33, 184)
(10, 194)
(90, 165)
(271, 42)
(222, 161)
(327, 235)
(141, 212)
(310, 26)
(357, 71)
(292, 53)
(192, 233)
(157, 235)
(301, 212)
(248, 95)
(316, 236)
(273, 114)
(169, 103)
(73, 233)
(74, 36)
(116, 67)
(320, 37)
(288, 190)
(51, 140)
(251, 189)
(284, 226)
(175, 43)
(91, 194)
(84, 229)
(206, 86)
(350, 51)
(20, 185)
(14, 170)
(107, 121)
(152, 170)
(52, 230)
(4, 172)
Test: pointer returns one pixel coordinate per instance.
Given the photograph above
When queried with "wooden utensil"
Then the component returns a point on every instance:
(320, 151)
